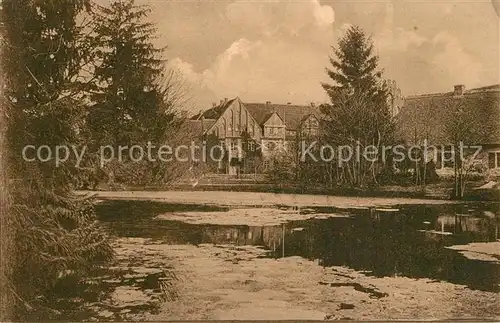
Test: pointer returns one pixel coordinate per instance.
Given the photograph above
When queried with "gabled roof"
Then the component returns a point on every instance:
(269, 115)
(427, 116)
(292, 115)
(304, 118)
(215, 112)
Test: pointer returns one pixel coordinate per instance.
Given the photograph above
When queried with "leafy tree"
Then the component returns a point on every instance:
(461, 129)
(54, 234)
(358, 112)
(281, 170)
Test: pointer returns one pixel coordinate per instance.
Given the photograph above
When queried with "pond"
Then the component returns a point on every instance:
(410, 241)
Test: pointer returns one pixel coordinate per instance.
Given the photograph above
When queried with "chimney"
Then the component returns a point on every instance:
(202, 119)
(214, 104)
(313, 104)
(225, 100)
(459, 90)
(268, 103)
(221, 102)
(289, 103)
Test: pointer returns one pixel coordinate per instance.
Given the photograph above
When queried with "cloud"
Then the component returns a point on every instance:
(283, 16)
(455, 62)
(237, 54)
(423, 64)
(262, 71)
(280, 56)
(278, 51)
(324, 14)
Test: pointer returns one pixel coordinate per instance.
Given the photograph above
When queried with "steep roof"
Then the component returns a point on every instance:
(291, 114)
(215, 112)
(427, 116)
(208, 123)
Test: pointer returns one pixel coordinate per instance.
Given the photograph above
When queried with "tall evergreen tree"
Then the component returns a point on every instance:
(134, 101)
(358, 111)
(53, 232)
(129, 106)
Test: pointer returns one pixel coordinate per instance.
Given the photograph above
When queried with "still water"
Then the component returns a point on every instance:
(409, 241)
(405, 241)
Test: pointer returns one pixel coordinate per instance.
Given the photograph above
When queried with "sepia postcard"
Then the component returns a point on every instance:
(226, 160)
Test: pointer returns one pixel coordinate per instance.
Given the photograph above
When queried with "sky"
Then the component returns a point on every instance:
(277, 50)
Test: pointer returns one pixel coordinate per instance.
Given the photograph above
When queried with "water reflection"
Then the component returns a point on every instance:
(409, 241)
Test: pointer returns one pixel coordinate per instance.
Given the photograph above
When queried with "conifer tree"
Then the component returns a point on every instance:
(358, 112)
(54, 233)
(134, 99)
(129, 98)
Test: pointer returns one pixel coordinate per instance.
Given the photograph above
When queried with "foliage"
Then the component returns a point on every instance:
(281, 169)
(461, 129)
(134, 98)
(54, 233)
(358, 112)
(129, 106)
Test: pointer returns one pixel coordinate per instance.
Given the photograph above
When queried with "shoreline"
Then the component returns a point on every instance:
(254, 199)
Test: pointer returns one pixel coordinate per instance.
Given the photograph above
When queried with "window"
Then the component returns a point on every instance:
(266, 164)
(234, 145)
(494, 160)
(223, 128)
(439, 160)
(251, 146)
(448, 156)
(231, 121)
